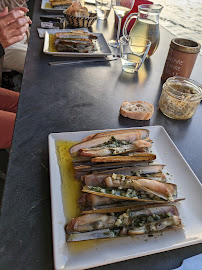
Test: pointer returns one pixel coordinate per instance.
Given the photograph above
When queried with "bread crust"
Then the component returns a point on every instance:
(145, 110)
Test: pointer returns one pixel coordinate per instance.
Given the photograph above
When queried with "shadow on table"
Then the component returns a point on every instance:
(141, 76)
(127, 122)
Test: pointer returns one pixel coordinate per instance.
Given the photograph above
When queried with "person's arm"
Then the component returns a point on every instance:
(11, 4)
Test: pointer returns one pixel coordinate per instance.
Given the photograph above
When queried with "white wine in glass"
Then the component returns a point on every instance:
(121, 9)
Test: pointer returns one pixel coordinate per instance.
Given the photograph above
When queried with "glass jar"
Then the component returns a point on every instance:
(180, 98)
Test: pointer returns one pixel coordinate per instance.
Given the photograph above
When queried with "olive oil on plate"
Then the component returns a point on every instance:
(52, 47)
(71, 191)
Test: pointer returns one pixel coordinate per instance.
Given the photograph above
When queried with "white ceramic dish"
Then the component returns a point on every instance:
(92, 2)
(57, 10)
(103, 49)
(114, 250)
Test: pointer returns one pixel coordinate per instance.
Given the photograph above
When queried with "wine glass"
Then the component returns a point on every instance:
(121, 9)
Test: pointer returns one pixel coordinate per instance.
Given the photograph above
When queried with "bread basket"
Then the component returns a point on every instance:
(80, 21)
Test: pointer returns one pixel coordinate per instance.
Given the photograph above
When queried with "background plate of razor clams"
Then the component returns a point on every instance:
(102, 49)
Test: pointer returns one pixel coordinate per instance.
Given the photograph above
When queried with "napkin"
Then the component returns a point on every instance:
(192, 263)
(134, 10)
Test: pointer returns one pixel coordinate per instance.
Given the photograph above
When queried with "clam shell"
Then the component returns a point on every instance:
(128, 135)
(88, 190)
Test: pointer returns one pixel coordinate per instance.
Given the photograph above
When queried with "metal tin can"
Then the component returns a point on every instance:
(181, 58)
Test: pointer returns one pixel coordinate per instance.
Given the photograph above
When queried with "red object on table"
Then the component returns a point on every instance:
(133, 10)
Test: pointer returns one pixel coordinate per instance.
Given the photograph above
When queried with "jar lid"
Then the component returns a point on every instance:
(185, 45)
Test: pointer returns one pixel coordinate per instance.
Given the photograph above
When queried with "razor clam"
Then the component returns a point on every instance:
(138, 190)
(137, 157)
(131, 222)
(75, 35)
(112, 149)
(156, 226)
(100, 180)
(117, 207)
(91, 200)
(111, 133)
(67, 46)
(80, 160)
(97, 222)
(73, 42)
(134, 170)
(127, 135)
(98, 234)
(165, 191)
(90, 166)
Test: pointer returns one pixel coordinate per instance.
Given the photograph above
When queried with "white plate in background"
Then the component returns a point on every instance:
(114, 250)
(43, 7)
(103, 49)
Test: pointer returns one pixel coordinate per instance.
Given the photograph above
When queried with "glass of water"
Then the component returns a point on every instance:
(103, 8)
(133, 52)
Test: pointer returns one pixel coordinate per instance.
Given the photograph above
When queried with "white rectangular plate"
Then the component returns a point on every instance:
(114, 250)
(103, 48)
(57, 10)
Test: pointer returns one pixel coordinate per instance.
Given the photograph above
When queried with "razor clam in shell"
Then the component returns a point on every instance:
(124, 135)
(138, 190)
(134, 170)
(131, 222)
(99, 180)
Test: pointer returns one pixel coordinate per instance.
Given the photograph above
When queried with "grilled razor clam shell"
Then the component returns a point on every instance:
(98, 234)
(91, 200)
(87, 42)
(109, 150)
(61, 4)
(117, 207)
(165, 191)
(81, 174)
(160, 198)
(111, 133)
(156, 226)
(125, 136)
(91, 166)
(137, 157)
(81, 160)
(126, 221)
(100, 180)
(140, 170)
(75, 35)
(80, 48)
(90, 222)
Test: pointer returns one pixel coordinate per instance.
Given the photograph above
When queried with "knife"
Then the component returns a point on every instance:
(83, 61)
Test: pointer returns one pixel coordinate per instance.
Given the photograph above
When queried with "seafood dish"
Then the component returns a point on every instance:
(60, 3)
(75, 41)
(124, 192)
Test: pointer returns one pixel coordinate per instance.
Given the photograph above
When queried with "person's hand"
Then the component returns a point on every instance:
(13, 26)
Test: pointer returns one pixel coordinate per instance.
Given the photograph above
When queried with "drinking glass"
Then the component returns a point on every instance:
(133, 52)
(121, 9)
(103, 8)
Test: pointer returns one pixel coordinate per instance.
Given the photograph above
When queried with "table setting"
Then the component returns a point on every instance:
(110, 110)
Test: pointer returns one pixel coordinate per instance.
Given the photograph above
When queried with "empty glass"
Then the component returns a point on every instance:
(103, 8)
(133, 52)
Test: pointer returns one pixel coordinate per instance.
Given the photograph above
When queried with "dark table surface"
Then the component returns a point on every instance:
(74, 98)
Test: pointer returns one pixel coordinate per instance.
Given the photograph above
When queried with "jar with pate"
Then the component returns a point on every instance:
(180, 98)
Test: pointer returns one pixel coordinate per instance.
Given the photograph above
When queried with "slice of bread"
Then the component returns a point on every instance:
(138, 110)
